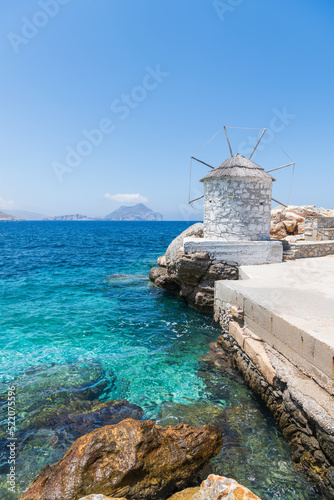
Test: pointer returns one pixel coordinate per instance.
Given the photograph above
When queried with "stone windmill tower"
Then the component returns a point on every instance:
(237, 210)
(237, 201)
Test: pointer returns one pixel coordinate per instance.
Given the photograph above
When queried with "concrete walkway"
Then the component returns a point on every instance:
(289, 305)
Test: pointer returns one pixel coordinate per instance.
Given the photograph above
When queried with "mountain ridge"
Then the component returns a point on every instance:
(139, 212)
(5, 216)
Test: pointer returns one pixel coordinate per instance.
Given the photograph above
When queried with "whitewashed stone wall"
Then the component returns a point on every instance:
(237, 209)
(319, 228)
(304, 249)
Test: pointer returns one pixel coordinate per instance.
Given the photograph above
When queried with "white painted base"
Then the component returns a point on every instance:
(237, 252)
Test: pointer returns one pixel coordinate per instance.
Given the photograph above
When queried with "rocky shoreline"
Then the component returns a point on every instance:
(132, 459)
(138, 460)
(307, 425)
(192, 276)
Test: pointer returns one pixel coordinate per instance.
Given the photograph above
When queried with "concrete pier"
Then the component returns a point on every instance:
(290, 306)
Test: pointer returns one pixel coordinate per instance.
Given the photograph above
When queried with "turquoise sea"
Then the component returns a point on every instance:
(81, 323)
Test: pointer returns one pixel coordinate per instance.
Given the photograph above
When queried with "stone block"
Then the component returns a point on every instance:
(236, 252)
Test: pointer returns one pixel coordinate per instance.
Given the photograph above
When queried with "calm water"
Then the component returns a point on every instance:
(80, 317)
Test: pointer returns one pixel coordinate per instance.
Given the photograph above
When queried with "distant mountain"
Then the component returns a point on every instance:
(137, 212)
(69, 217)
(25, 215)
(4, 216)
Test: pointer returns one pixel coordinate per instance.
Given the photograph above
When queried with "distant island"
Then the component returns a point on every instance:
(139, 212)
(70, 217)
(26, 215)
(4, 216)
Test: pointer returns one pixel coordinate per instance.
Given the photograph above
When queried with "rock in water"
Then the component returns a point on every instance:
(194, 231)
(187, 494)
(131, 459)
(100, 497)
(217, 487)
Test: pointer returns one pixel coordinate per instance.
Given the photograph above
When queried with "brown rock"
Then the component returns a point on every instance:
(217, 488)
(189, 269)
(167, 282)
(290, 225)
(132, 459)
(194, 231)
(185, 494)
(100, 497)
(162, 261)
(204, 301)
(222, 271)
(278, 231)
(156, 272)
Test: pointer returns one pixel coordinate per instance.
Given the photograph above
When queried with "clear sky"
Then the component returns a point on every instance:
(108, 98)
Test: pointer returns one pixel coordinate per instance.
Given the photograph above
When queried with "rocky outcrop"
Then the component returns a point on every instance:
(194, 231)
(191, 276)
(289, 222)
(4, 216)
(131, 459)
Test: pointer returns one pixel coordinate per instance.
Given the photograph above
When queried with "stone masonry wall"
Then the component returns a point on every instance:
(312, 445)
(303, 249)
(237, 208)
(319, 228)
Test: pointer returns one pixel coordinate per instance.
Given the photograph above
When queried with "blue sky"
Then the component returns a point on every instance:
(158, 79)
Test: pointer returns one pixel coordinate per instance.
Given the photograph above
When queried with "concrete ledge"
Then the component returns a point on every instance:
(237, 252)
(291, 307)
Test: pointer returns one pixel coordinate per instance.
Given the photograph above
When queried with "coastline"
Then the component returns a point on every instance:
(299, 397)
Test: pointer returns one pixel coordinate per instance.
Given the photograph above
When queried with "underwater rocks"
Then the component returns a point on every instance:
(50, 386)
(69, 425)
(56, 428)
(197, 414)
(133, 459)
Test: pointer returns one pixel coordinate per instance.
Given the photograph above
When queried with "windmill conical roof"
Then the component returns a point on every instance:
(238, 166)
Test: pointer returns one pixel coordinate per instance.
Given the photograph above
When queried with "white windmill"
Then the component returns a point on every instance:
(237, 207)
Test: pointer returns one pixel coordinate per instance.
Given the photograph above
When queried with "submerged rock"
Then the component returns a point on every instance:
(133, 459)
(69, 426)
(197, 414)
(56, 429)
(50, 386)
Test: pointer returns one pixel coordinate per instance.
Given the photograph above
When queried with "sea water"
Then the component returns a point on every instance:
(76, 299)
